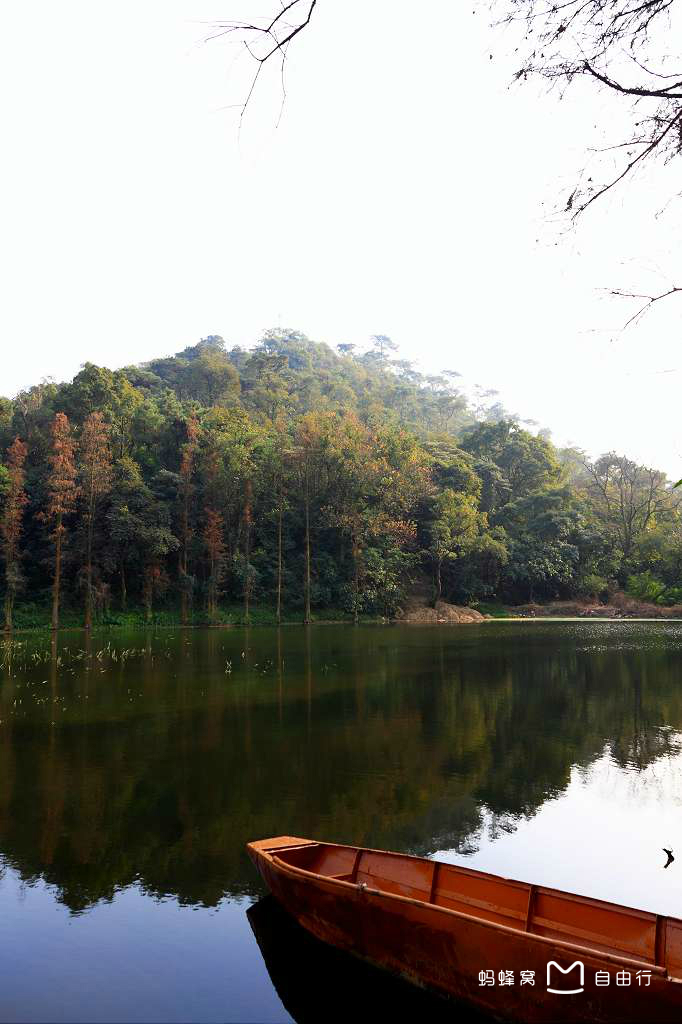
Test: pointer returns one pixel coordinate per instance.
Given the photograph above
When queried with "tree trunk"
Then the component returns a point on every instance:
(147, 596)
(306, 614)
(184, 603)
(439, 582)
(211, 602)
(9, 604)
(183, 592)
(57, 574)
(88, 574)
(356, 576)
(279, 556)
(247, 550)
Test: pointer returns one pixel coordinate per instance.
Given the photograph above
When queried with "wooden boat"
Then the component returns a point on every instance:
(285, 947)
(513, 950)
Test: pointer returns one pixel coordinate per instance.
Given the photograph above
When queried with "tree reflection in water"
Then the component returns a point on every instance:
(140, 759)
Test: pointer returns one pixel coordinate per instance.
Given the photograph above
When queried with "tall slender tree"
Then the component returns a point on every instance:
(248, 523)
(10, 523)
(62, 492)
(189, 451)
(215, 548)
(280, 521)
(96, 481)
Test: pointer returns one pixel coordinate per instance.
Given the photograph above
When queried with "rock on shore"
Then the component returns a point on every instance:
(442, 614)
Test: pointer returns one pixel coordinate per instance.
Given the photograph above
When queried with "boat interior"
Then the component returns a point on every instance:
(607, 927)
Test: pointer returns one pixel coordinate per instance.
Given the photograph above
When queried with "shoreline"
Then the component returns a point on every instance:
(47, 631)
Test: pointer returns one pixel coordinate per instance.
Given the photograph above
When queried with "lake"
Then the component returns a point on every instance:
(135, 766)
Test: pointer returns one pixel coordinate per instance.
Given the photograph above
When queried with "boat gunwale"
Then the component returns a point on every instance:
(462, 869)
(591, 951)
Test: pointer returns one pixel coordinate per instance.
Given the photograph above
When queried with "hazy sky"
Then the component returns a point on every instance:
(407, 190)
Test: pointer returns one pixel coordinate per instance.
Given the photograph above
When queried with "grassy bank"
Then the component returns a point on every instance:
(37, 617)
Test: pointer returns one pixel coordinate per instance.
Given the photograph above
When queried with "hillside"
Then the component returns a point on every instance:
(293, 481)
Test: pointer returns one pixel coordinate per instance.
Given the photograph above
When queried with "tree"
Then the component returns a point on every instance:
(10, 523)
(358, 481)
(139, 533)
(543, 531)
(268, 37)
(95, 458)
(382, 344)
(630, 500)
(455, 526)
(620, 46)
(62, 494)
(309, 443)
(215, 547)
(189, 451)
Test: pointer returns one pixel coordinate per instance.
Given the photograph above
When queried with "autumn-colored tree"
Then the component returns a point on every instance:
(10, 523)
(62, 492)
(189, 451)
(96, 480)
(215, 547)
(155, 581)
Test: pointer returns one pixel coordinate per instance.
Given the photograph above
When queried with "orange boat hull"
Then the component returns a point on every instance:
(368, 907)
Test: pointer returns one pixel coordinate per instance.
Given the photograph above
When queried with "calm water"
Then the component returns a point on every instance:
(132, 774)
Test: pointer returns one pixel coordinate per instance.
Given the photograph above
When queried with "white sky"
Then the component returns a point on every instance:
(406, 191)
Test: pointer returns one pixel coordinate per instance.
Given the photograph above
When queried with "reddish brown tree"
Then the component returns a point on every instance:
(62, 493)
(189, 452)
(96, 482)
(155, 581)
(215, 547)
(10, 524)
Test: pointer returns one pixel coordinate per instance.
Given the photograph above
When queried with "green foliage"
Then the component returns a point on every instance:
(594, 586)
(325, 483)
(646, 587)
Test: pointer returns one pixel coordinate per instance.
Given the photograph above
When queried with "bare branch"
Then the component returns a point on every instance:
(650, 300)
(277, 34)
(640, 156)
(636, 90)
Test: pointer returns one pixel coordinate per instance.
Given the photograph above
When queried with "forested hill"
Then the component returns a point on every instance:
(293, 480)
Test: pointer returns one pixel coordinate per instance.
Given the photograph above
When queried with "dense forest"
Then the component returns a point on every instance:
(291, 481)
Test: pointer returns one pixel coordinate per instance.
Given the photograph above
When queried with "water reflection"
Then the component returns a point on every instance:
(548, 751)
(316, 982)
(154, 761)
